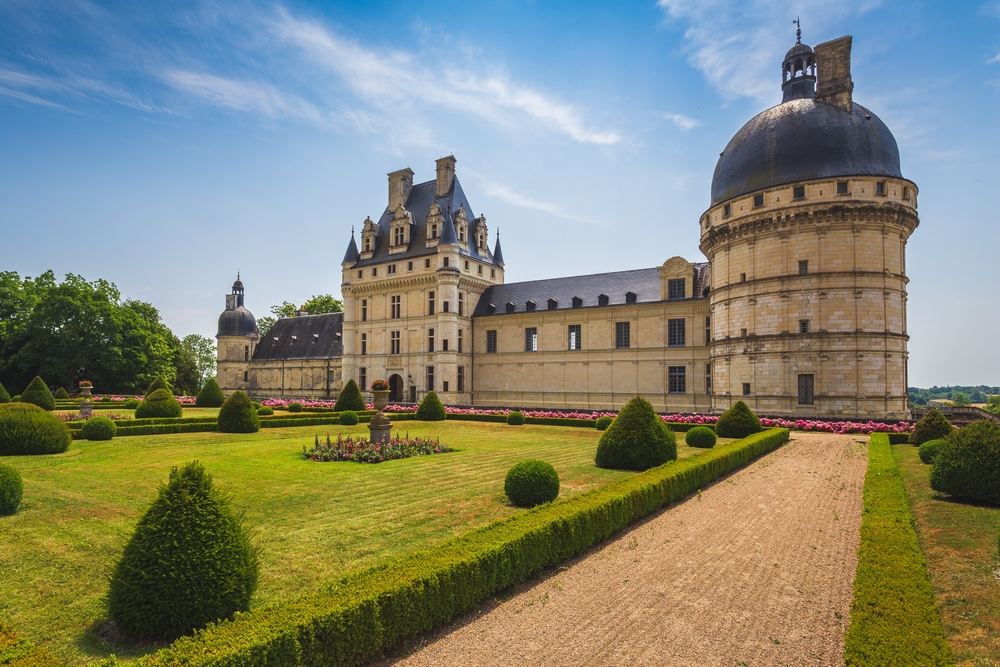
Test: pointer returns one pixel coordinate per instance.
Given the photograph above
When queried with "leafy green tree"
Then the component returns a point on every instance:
(317, 305)
(203, 350)
(977, 396)
(959, 398)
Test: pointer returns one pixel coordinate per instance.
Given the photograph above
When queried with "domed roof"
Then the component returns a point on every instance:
(800, 140)
(237, 322)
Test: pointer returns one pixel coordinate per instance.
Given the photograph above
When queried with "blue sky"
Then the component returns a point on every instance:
(166, 146)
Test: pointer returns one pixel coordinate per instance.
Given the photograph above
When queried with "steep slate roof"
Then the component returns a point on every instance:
(418, 203)
(644, 283)
(315, 337)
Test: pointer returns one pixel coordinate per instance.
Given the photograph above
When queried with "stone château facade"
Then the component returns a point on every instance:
(799, 310)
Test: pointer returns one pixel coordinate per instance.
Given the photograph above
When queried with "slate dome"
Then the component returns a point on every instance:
(237, 322)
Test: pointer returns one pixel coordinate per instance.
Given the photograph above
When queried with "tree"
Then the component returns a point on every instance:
(203, 350)
(959, 398)
(977, 396)
(317, 305)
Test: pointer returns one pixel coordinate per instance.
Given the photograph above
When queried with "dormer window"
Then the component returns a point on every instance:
(368, 245)
(602, 300)
(530, 305)
(577, 302)
(511, 307)
(397, 236)
(553, 304)
(434, 231)
(491, 309)
(630, 297)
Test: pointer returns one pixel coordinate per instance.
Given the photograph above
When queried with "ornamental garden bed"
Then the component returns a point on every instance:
(362, 450)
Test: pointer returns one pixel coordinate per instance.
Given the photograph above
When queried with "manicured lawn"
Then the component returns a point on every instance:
(101, 412)
(313, 521)
(960, 544)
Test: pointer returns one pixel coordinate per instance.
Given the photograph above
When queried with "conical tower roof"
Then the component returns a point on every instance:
(351, 256)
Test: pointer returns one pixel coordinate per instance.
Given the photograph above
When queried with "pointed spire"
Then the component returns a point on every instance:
(351, 256)
(448, 235)
(497, 253)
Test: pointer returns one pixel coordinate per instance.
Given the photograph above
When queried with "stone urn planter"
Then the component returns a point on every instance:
(380, 426)
(87, 404)
(381, 399)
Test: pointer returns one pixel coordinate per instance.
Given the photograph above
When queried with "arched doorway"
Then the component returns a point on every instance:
(395, 389)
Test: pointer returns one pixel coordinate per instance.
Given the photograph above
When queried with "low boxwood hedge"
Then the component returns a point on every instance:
(362, 615)
(893, 617)
(17, 651)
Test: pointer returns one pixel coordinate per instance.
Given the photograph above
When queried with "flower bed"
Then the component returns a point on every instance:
(75, 416)
(360, 450)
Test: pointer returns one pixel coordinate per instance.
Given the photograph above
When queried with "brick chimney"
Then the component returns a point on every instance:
(445, 175)
(833, 80)
(400, 183)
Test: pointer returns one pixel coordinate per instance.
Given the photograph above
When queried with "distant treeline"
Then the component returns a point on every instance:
(961, 394)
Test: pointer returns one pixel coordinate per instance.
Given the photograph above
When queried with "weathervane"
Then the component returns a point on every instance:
(798, 30)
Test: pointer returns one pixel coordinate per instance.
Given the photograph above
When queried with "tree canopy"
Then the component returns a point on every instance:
(317, 305)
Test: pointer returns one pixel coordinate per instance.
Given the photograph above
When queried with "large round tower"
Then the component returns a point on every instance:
(806, 235)
(237, 338)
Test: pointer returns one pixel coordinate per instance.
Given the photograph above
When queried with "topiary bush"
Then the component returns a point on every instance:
(738, 422)
(4, 396)
(928, 450)
(603, 422)
(38, 394)
(295, 406)
(210, 396)
(350, 398)
(348, 418)
(157, 383)
(131, 404)
(701, 437)
(636, 440)
(105, 399)
(27, 429)
(16, 398)
(265, 411)
(931, 426)
(237, 415)
(11, 490)
(531, 483)
(515, 418)
(160, 403)
(255, 404)
(61, 393)
(431, 409)
(967, 465)
(98, 428)
(189, 563)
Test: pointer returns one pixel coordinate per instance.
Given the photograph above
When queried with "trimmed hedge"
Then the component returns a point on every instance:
(603, 423)
(636, 440)
(738, 421)
(928, 450)
(431, 409)
(98, 428)
(701, 437)
(530, 483)
(893, 617)
(38, 394)
(11, 490)
(210, 396)
(27, 429)
(348, 418)
(159, 403)
(265, 411)
(362, 615)
(294, 406)
(350, 398)
(515, 418)
(17, 651)
(968, 463)
(931, 426)
(237, 415)
(157, 383)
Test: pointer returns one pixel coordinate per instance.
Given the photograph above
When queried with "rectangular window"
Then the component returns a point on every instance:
(743, 277)
(676, 333)
(430, 302)
(409, 266)
(364, 310)
(806, 386)
(743, 332)
(391, 269)
(444, 386)
(394, 342)
(708, 378)
(444, 345)
(397, 236)
(364, 343)
(623, 334)
(361, 273)
(906, 193)
(480, 269)
(880, 187)
(708, 330)
(460, 340)
(446, 262)
(363, 378)
(803, 326)
(461, 379)
(803, 267)
(746, 388)
(491, 341)
(841, 187)
(430, 340)
(374, 272)
(799, 192)
(727, 210)
(430, 378)
(493, 273)
(461, 304)
(446, 306)
(676, 287)
(246, 376)
(397, 306)
(531, 339)
(466, 265)
(677, 379)
(574, 337)
(427, 263)
(246, 353)
(758, 200)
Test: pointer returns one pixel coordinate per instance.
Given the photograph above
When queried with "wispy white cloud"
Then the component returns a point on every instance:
(995, 59)
(680, 120)
(508, 195)
(242, 95)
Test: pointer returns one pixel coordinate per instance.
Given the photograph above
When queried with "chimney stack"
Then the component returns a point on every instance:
(400, 183)
(833, 80)
(445, 175)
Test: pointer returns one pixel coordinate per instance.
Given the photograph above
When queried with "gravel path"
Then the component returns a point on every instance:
(756, 571)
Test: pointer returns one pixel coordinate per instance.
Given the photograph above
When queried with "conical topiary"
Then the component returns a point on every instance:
(4, 396)
(61, 393)
(160, 403)
(157, 383)
(431, 409)
(238, 416)
(932, 426)
(738, 421)
(636, 440)
(210, 396)
(189, 563)
(350, 398)
(39, 394)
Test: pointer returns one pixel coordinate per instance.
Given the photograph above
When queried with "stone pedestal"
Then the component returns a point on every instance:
(87, 405)
(380, 426)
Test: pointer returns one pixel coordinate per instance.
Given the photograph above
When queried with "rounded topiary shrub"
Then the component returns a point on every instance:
(967, 464)
(350, 398)
(131, 404)
(99, 428)
(38, 394)
(189, 563)
(431, 409)
(255, 404)
(701, 437)
(161, 403)
(210, 396)
(531, 483)
(16, 398)
(4, 396)
(295, 406)
(931, 426)
(265, 411)
(105, 399)
(348, 418)
(636, 439)
(157, 383)
(603, 422)
(928, 450)
(61, 393)
(27, 429)
(237, 415)
(738, 421)
(515, 418)
(11, 490)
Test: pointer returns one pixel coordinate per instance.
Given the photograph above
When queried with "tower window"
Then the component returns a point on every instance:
(364, 343)
(677, 379)
(444, 386)
(574, 337)
(676, 333)
(446, 262)
(461, 378)
(466, 265)
(727, 210)
(427, 263)
(799, 192)
(803, 326)
(430, 302)
(743, 332)
(396, 307)
(708, 330)
(531, 339)
(708, 378)
(743, 277)
(446, 306)
(746, 388)
(841, 187)
(430, 378)
(246, 353)
(430, 340)
(623, 338)
(803, 267)
(461, 303)
(493, 273)
(391, 269)
(363, 376)
(880, 187)
(480, 269)
(374, 271)
(394, 342)
(444, 345)
(246, 376)
(758, 200)
(364, 310)
(460, 340)
(491, 341)
(361, 273)
(409, 266)
(906, 193)
(676, 288)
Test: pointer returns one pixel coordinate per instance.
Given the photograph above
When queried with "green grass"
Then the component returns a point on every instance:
(314, 521)
(100, 412)
(960, 543)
